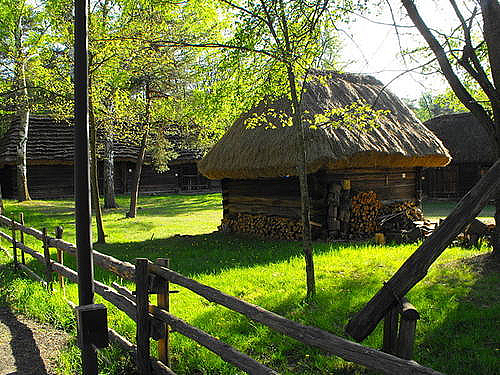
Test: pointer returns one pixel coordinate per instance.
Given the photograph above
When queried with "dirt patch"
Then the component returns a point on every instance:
(28, 347)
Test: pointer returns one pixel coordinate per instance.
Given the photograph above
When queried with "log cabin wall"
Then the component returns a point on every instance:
(272, 197)
(452, 181)
(389, 184)
(50, 181)
(247, 202)
(8, 181)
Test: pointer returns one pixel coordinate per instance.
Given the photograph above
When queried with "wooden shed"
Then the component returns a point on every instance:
(258, 163)
(472, 152)
(50, 151)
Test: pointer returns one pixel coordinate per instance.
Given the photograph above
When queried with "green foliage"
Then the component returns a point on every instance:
(429, 106)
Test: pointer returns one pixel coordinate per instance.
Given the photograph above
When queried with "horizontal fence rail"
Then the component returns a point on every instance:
(123, 269)
(156, 317)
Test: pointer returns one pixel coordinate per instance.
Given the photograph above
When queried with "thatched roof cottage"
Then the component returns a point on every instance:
(258, 163)
(50, 152)
(472, 151)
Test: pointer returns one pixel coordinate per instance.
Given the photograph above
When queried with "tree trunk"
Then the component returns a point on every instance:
(134, 194)
(109, 178)
(94, 182)
(304, 188)
(22, 141)
(491, 29)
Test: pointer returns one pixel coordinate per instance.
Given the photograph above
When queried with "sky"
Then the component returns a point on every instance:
(373, 48)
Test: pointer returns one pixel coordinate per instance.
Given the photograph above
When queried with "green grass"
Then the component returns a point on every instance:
(459, 305)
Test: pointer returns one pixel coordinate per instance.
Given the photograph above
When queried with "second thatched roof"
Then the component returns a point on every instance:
(51, 142)
(398, 139)
(464, 137)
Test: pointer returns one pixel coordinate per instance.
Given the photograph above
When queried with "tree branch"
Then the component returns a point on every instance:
(460, 91)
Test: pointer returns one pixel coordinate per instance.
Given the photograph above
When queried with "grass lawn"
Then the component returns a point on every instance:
(458, 300)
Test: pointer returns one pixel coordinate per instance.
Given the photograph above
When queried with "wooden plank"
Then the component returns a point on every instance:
(158, 367)
(14, 246)
(60, 256)
(21, 237)
(123, 269)
(46, 255)
(163, 302)
(143, 322)
(391, 321)
(416, 266)
(348, 350)
(235, 357)
(226, 352)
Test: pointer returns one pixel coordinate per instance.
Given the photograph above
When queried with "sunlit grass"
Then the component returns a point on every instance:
(451, 299)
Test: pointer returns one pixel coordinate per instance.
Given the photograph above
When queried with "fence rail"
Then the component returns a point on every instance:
(152, 321)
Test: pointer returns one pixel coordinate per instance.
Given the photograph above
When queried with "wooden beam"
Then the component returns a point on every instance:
(417, 265)
(123, 269)
(348, 350)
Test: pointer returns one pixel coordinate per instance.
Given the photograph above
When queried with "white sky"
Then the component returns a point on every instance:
(380, 55)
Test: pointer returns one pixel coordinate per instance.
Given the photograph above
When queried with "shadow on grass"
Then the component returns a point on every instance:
(466, 340)
(37, 213)
(209, 253)
(329, 312)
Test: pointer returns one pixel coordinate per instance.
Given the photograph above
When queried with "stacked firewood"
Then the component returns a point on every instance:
(263, 226)
(365, 209)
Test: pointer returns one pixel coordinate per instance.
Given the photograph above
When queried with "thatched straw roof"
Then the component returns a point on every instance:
(464, 137)
(52, 142)
(398, 140)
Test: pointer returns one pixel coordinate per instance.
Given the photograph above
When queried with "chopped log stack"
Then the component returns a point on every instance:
(274, 227)
(348, 214)
(364, 213)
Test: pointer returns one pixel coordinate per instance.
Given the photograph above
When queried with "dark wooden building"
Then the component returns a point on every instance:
(472, 152)
(258, 163)
(50, 151)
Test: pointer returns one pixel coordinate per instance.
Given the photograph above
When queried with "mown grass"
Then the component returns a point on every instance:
(459, 304)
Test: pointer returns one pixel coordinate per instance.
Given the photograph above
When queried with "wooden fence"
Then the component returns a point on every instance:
(153, 321)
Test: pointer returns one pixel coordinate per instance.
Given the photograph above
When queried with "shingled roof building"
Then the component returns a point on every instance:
(472, 151)
(258, 163)
(50, 152)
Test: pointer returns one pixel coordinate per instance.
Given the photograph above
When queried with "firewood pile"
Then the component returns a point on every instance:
(365, 209)
(399, 221)
(263, 226)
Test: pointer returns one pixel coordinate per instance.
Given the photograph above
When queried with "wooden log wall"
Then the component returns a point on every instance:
(8, 181)
(50, 181)
(270, 207)
(389, 184)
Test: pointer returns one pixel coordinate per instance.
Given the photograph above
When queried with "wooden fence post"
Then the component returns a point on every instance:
(407, 329)
(391, 330)
(21, 237)
(14, 244)
(163, 302)
(143, 322)
(60, 256)
(48, 265)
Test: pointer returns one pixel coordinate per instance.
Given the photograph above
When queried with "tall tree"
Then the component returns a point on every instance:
(22, 31)
(460, 58)
(273, 45)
